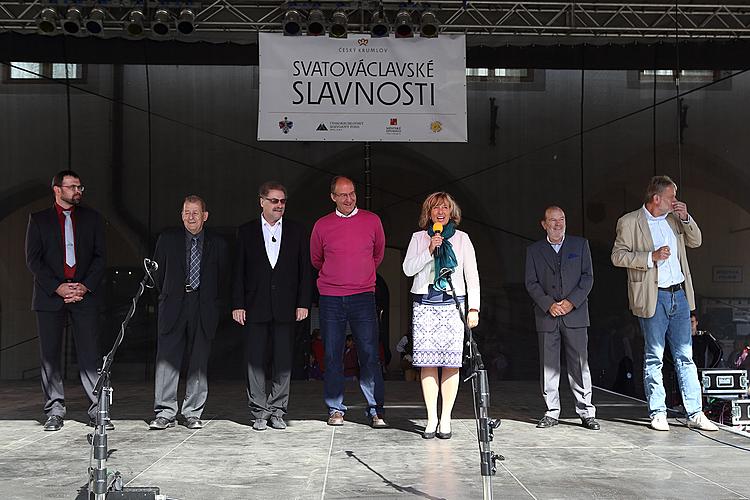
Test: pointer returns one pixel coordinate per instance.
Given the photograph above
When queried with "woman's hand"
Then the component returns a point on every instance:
(435, 242)
(473, 318)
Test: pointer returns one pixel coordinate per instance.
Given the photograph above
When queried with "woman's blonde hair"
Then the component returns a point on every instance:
(432, 201)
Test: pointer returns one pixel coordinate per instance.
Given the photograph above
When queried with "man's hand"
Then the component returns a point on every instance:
(71, 292)
(556, 310)
(566, 305)
(680, 209)
(473, 318)
(239, 316)
(662, 253)
(301, 313)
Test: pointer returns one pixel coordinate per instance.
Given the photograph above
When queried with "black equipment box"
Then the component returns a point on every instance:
(724, 382)
(132, 493)
(740, 411)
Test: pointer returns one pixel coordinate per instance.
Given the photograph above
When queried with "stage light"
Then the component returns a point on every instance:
(47, 20)
(134, 23)
(339, 23)
(292, 23)
(72, 22)
(186, 22)
(429, 25)
(95, 21)
(404, 27)
(161, 23)
(379, 26)
(316, 23)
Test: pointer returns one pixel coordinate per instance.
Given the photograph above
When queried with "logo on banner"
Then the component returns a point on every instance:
(286, 125)
(322, 127)
(436, 127)
(393, 127)
(362, 41)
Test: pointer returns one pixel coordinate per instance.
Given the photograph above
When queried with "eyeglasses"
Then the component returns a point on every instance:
(75, 187)
(340, 196)
(275, 201)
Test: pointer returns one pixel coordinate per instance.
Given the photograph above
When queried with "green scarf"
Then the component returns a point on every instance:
(445, 257)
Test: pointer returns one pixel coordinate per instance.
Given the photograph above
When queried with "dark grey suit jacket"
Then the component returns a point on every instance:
(170, 278)
(544, 284)
(45, 257)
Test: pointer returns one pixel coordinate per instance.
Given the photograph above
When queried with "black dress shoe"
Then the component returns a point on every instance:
(590, 423)
(110, 426)
(546, 422)
(53, 423)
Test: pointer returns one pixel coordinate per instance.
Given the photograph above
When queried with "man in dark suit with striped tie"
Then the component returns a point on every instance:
(65, 253)
(190, 278)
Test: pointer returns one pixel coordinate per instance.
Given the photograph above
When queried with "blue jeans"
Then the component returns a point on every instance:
(670, 324)
(359, 311)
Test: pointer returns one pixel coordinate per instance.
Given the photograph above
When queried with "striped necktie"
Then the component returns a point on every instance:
(194, 276)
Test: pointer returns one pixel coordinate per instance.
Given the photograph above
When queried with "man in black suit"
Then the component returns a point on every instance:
(272, 286)
(559, 277)
(65, 253)
(192, 271)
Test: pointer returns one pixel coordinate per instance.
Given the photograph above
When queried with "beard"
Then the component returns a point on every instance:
(73, 200)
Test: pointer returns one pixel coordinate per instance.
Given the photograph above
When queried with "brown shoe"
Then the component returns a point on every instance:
(377, 422)
(336, 418)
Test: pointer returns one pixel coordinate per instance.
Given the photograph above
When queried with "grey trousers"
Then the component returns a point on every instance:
(577, 360)
(263, 405)
(186, 334)
(51, 325)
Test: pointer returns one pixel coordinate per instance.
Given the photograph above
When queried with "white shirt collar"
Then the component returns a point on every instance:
(354, 212)
(556, 244)
(265, 222)
(650, 216)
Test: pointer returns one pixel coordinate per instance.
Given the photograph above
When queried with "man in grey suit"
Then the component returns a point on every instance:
(559, 277)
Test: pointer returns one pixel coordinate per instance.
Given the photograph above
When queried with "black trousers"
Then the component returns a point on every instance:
(187, 333)
(257, 335)
(50, 325)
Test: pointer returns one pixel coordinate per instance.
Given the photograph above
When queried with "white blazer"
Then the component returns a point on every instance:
(421, 264)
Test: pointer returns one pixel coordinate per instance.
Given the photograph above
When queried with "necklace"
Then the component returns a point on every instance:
(273, 233)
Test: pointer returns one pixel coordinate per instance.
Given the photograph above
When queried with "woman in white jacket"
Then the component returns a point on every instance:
(436, 325)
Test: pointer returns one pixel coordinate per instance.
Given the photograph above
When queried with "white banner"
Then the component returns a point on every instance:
(362, 88)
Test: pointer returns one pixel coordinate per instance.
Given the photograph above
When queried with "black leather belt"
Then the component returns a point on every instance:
(673, 288)
(190, 289)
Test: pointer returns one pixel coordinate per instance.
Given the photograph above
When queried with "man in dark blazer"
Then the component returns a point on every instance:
(65, 253)
(192, 272)
(272, 287)
(559, 277)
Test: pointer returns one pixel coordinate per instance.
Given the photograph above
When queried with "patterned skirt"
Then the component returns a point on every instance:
(438, 335)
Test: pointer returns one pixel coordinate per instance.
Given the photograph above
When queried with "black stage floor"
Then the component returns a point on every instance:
(309, 460)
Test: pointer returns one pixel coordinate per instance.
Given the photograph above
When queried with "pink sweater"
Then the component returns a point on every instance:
(346, 251)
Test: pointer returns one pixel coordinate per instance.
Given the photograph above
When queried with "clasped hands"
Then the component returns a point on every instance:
(240, 315)
(561, 308)
(71, 292)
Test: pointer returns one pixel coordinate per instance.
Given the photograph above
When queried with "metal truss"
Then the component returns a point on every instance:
(605, 21)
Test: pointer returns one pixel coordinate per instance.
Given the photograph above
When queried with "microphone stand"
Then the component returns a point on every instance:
(481, 389)
(98, 439)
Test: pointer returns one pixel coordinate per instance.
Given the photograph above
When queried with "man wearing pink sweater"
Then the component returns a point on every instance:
(346, 247)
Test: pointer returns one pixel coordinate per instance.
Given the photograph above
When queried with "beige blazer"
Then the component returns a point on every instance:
(631, 249)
